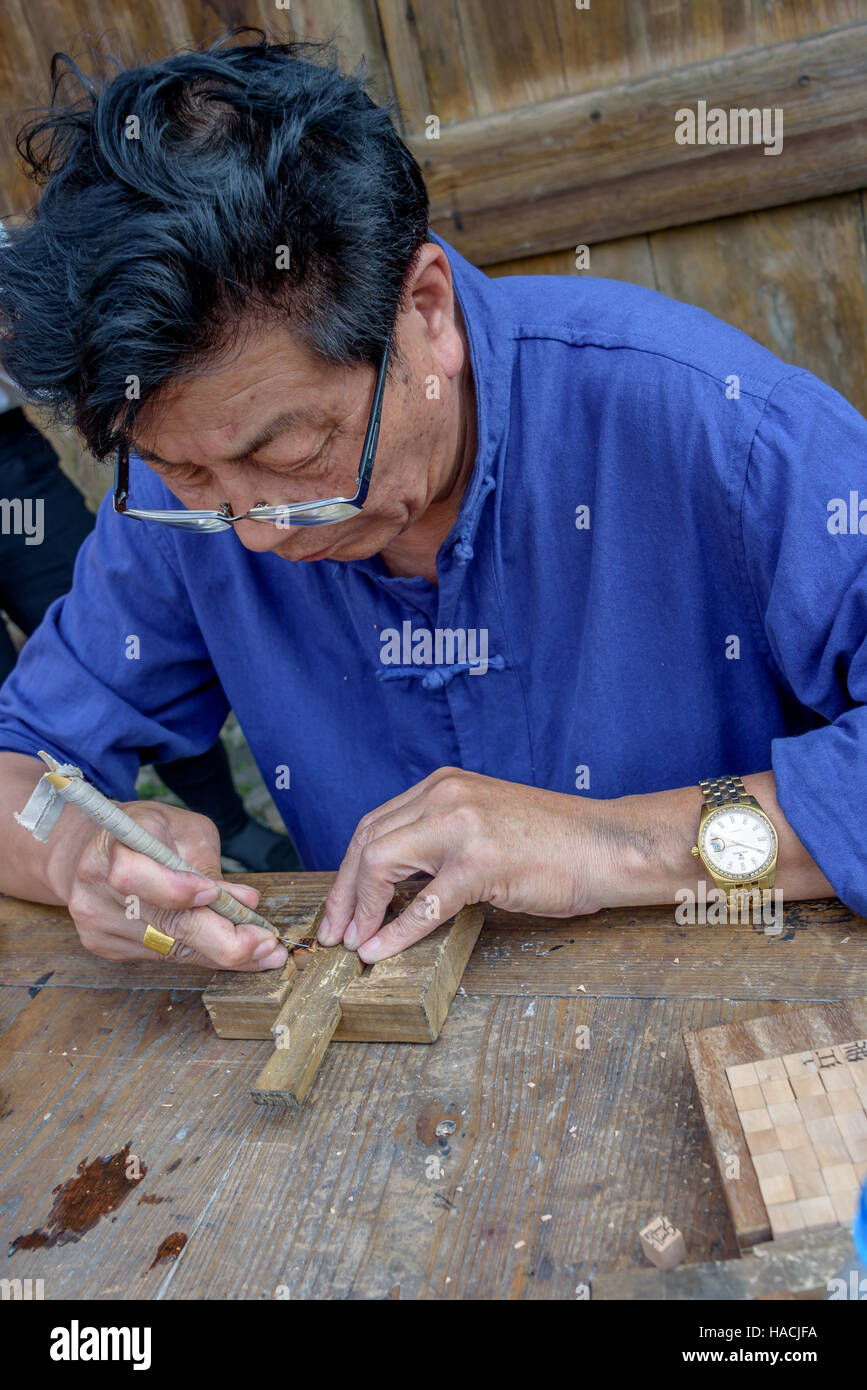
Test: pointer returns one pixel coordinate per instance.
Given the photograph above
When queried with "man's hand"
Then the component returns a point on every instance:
(482, 840)
(527, 850)
(113, 892)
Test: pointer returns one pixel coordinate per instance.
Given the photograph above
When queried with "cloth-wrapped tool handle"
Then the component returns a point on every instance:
(67, 781)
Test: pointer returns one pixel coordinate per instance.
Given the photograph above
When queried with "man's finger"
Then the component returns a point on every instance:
(342, 900)
(113, 946)
(427, 911)
(229, 946)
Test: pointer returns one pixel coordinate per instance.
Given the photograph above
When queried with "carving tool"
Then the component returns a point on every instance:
(64, 782)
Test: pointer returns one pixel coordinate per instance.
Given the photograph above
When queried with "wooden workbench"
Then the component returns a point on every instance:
(560, 1152)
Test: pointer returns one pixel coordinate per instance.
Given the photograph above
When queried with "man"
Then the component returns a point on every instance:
(594, 565)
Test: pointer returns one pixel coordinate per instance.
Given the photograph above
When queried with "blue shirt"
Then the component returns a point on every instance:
(645, 546)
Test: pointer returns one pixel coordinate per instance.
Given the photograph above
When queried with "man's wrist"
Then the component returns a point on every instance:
(73, 831)
(649, 840)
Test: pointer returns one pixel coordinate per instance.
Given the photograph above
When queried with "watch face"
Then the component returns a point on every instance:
(738, 842)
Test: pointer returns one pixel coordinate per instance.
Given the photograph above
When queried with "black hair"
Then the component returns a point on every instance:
(168, 191)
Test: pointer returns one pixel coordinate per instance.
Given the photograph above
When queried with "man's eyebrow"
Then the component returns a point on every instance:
(288, 419)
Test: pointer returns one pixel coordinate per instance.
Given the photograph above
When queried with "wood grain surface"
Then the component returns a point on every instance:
(355, 1196)
(820, 954)
(573, 1105)
(605, 163)
(304, 1027)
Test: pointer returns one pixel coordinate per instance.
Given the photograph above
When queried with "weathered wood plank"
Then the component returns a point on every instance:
(88, 1073)
(336, 1199)
(32, 30)
(596, 1138)
(801, 285)
(711, 1050)
(796, 1266)
(404, 999)
(821, 952)
(304, 1027)
(533, 51)
(407, 998)
(243, 1005)
(605, 164)
(625, 258)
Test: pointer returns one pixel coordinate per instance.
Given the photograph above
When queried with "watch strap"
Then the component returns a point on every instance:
(722, 791)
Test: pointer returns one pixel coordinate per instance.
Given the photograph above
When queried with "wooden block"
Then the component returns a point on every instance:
(825, 1128)
(852, 1124)
(754, 1120)
(856, 1149)
(714, 1054)
(833, 1068)
(810, 1084)
(828, 1057)
(811, 1184)
(745, 1075)
(770, 1165)
(777, 1189)
(304, 1027)
(838, 1079)
(404, 999)
(830, 1151)
(831, 1145)
(407, 998)
(802, 1160)
(777, 1093)
(792, 1136)
(244, 1004)
(750, 1097)
(763, 1141)
(662, 1243)
(844, 1204)
(841, 1101)
(817, 1211)
(815, 1107)
(840, 1177)
(854, 1054)
(785, 1218)
(770, 1069)
(786, 1114)
(796, 1063)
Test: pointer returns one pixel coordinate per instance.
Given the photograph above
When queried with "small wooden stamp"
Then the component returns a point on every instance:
(663, 1243)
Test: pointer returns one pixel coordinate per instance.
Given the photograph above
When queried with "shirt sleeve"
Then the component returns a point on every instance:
(117, 673)
(806, 478)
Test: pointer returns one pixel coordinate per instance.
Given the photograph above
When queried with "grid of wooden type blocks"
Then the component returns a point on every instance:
(804, 1117)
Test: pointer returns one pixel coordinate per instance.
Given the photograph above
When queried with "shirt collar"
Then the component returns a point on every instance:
(488, 323)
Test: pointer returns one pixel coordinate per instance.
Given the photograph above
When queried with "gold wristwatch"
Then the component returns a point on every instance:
(737, 843)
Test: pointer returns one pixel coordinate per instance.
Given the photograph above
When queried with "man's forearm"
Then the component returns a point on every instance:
(38, 871)
(650, 837)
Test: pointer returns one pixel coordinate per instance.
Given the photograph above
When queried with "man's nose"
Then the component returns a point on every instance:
(241, 509)
(259, 535)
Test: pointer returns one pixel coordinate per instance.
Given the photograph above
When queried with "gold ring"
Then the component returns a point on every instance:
(158, 941)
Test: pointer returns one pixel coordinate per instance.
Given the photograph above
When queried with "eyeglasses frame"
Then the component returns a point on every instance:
(220, 519)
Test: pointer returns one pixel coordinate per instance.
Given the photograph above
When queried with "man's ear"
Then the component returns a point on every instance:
(429, 293)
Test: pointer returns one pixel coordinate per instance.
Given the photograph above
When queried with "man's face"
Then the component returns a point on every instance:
(276, 425)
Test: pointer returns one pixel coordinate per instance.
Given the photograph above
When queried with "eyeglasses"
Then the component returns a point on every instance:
(320, 513)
